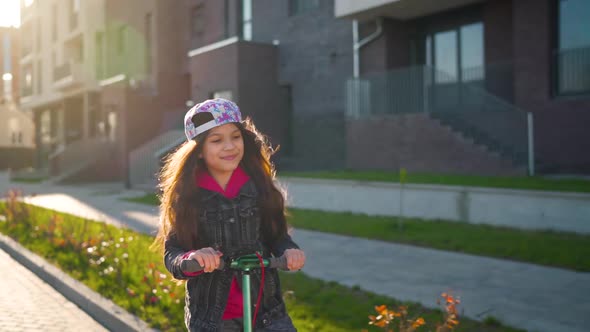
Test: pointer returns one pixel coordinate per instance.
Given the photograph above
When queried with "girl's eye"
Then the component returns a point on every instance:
(216, 141)
(237, 137)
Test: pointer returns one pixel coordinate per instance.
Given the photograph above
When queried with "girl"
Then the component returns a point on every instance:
(219, 202)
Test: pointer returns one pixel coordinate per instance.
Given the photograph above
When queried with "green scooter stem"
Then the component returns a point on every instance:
(247, 309)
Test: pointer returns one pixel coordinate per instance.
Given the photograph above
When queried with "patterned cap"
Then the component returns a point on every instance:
(222, 110)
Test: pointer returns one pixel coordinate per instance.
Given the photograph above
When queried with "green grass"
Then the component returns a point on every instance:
(528, 183)
(314, 305)
(29, 180)
(566, 250)
(148, 199)
(560, 249)
(318, 305)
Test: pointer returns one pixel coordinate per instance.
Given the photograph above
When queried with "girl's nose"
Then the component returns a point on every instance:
(228, 145)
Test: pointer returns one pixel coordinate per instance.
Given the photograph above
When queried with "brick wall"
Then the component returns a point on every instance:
(419, 144)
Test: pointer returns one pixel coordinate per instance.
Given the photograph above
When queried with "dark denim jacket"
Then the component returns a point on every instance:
(233, 227)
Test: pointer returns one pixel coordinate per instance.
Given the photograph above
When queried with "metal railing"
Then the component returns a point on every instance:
(62, 71)
(476, 103)
(71, 158)
(573, 71)
(145, 161)
(26, 91)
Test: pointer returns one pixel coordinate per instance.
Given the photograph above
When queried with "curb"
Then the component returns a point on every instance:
(103, 310)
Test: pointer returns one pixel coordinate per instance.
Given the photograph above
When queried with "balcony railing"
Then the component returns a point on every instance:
(26, 91)
(61, 72)
(572, 71)
(73, 21)
(26, 49)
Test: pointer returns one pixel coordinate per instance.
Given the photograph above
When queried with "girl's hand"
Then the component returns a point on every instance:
(208, 258)
(295, 259)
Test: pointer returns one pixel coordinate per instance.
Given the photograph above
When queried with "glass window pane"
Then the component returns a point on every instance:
(574, 23)
(445, 56)
(573, 56)
(472, 54)
(247, 10)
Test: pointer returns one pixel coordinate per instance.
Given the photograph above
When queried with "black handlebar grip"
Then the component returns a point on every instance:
(278, 263)
(191, 265)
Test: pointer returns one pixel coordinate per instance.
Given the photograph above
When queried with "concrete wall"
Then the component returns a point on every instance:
(501, 207)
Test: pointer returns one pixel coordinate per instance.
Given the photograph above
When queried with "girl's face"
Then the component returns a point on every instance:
(223, 149)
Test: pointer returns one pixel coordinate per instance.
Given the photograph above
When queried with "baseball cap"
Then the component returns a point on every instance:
(222, 111)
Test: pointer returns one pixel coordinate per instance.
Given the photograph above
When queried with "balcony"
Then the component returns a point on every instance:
(27, 12)
(399, 9)
(69, 75)
(26, 91)
(572, 68)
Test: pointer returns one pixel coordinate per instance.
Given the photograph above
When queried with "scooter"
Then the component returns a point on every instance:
(245, 264)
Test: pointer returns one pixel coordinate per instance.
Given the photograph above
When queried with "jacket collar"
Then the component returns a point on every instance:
(237, 180)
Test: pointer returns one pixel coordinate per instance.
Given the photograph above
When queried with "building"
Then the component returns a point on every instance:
(284, 63)
(103, 74)
(16, 126)
(59, 83)
(495, 87)
(479, 67)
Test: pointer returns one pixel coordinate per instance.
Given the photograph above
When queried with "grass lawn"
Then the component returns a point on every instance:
(29, 180)
(530, 183)
(117, 264)
(560, 249)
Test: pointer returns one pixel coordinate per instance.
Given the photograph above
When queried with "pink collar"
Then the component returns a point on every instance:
(236, 181)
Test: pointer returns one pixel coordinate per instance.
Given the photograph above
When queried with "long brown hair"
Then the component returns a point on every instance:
(179, 207)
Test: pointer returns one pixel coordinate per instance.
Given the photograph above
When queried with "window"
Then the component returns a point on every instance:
(457, 54)
(225, 94)
(100, 69)
(39, 81)
(27, 86)
(74, 11)
(39, 34)
(197, 22)
(121, 40)
(300, 6)
(247, 19)
(148, 44)
(573, 47)
(54, 22)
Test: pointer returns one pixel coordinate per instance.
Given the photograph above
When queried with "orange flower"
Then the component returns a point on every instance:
(418, 322)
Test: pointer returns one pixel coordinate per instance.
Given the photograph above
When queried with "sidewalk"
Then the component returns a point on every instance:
(523, 295)
(29, 304)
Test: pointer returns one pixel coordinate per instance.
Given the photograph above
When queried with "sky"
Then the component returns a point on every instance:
(9, 12)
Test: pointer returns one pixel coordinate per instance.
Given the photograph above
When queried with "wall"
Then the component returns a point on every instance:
(500, 207)
(562, 140)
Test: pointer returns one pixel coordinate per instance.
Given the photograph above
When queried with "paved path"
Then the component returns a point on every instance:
(522, 295)
(27, 303)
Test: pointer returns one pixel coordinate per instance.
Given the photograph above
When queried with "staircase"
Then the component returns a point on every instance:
(70, 160)
(471, 106)
(145, 161)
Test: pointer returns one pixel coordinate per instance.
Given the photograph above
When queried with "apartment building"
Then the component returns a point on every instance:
(59, 84)
(484, 68)
(16, 126)
(284, 63)
(102, 75)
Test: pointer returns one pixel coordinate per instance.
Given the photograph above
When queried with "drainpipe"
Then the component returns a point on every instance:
(356, 46)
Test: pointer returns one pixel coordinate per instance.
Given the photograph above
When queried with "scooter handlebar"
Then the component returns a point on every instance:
(191, 265)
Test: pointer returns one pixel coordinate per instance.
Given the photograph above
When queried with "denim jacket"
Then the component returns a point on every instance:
(232, 226)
